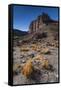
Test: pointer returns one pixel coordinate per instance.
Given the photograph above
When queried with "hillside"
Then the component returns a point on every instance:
(17, 32)
(35, 55)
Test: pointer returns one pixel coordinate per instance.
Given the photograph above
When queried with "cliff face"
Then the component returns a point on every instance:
(40, 23)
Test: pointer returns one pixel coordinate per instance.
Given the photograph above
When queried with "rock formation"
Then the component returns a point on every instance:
(40, 22)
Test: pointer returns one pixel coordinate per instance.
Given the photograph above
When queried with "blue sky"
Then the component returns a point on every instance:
(23, 15)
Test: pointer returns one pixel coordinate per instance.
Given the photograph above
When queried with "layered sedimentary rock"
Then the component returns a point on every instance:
(40, 22)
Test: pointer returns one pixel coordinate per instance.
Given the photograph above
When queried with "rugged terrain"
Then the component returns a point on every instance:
(35, 55)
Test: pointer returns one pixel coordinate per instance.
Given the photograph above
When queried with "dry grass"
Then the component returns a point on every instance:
(38, 57)
(45, 51)
(27, 69)
(34, 47)
(42, 60)
(24, 49)
(45, 64)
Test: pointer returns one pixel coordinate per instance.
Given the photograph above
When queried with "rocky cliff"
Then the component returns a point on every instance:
(41, 22)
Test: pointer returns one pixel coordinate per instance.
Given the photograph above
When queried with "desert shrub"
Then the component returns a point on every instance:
(27, 69)
(38, 57)
(34, 47)
(45, 64)
(24, 49)
(45, 51)
(38, 48)
(41, 61)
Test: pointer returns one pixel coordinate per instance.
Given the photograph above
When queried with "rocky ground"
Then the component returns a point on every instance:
(35, 52)
(40, 58)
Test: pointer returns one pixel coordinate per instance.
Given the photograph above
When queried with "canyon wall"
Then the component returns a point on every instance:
(39, 23)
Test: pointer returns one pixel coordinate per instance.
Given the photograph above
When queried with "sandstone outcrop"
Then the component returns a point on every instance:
(41, 22)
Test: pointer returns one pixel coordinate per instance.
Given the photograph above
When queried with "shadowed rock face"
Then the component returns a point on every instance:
(39, 23)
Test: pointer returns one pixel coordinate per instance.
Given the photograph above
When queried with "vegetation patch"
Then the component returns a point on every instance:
(24, 49)
(27, 69)
(45, 51)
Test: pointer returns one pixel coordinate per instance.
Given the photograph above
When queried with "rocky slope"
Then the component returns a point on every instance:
(35, 57)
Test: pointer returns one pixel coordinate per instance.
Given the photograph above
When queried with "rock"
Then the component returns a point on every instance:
(50, 67)
(16, 72)
(41, 35)
(32, 55)
(51, 77)
(21, 56)
(23, 61)
(36, 75)
(44, 78)
(38, 24)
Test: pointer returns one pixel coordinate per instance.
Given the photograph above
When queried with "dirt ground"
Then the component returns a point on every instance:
(20, 56)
